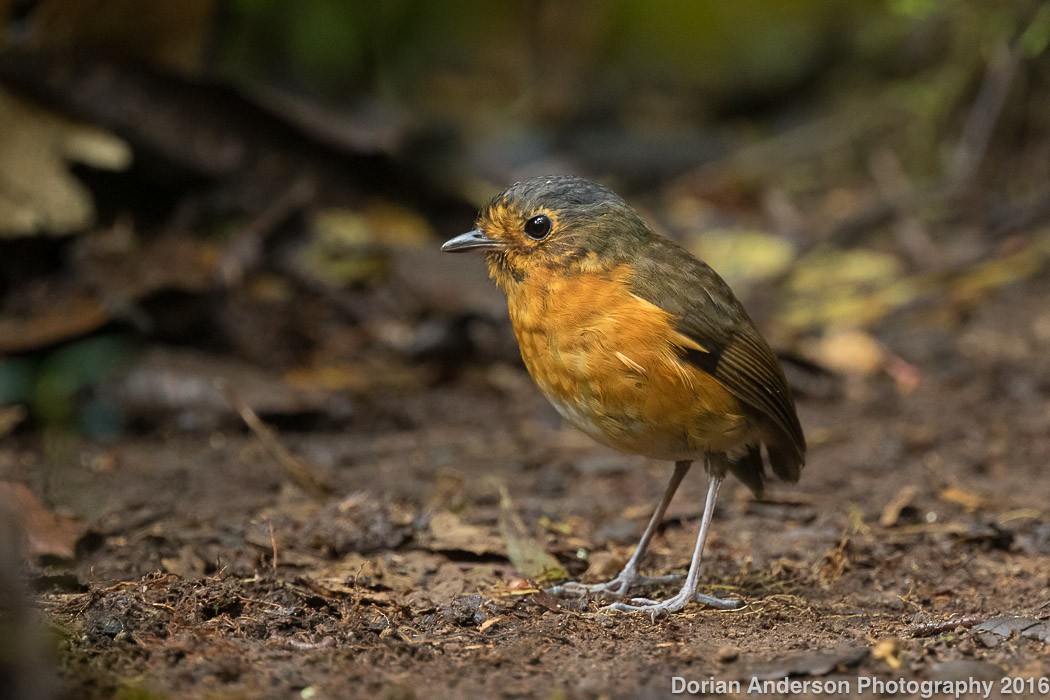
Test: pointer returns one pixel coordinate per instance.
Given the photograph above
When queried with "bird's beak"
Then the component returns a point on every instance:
(471, 240)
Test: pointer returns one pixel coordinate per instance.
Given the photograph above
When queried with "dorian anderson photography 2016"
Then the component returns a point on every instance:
(971, 687)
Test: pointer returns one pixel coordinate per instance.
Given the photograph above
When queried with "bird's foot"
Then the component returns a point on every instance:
(657, 608)
(616, 588)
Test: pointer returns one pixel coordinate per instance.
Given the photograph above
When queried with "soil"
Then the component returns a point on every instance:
(921, 520)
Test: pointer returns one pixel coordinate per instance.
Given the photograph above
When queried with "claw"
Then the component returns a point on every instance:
(616, 588)
(719, 603)
(658, 608)
(654, 607)
(688, 593)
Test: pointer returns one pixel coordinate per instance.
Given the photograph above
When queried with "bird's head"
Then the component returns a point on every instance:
(555, 222)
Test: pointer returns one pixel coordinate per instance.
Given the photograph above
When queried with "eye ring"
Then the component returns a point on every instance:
(538, 227)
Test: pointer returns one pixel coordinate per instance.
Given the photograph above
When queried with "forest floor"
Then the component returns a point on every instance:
(920, 523)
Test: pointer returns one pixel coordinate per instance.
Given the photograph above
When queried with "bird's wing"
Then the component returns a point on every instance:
(717, 335)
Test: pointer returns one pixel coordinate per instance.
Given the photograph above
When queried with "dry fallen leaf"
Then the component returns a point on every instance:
(1027, 627)
(892, 512)
(490, 622)
(604, 565)
(527, 555)
(46, 533)
(888, 650)
(390, 224)
(166, 263)
(904, 374)
(742, 257)
(37, 192)
(449, 533)
(367, 577)
(351, 246)
(990, 275)
(850, 351)
(835, 563)
(847, 289)
(969, 500)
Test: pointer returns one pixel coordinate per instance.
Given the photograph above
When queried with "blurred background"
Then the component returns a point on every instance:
(266, 180)
(222, 215)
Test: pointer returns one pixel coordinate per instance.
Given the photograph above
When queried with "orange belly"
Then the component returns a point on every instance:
(607, 361)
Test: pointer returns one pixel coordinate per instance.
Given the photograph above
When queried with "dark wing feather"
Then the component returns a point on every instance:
(733, 352)
(751, 372)
(749, 469)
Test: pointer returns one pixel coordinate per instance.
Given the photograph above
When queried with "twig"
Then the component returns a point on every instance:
(984, 114)
(892, 512)
(1020, 214)
(296, 645)
(969, 153)
(807, 140)
(928, 629)
(245, 249)
(899, 193)
(273, 544)
(294, 466)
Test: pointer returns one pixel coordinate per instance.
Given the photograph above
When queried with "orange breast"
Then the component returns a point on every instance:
(607, 361)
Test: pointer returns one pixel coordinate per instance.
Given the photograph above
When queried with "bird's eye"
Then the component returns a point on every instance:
(538, 227)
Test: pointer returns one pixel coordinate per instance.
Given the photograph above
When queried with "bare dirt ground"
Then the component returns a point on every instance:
(921, 519)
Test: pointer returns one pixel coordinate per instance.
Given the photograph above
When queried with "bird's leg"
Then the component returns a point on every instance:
(617, 587)
(692, 579)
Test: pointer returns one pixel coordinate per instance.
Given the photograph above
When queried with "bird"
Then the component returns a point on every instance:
(641, 346)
